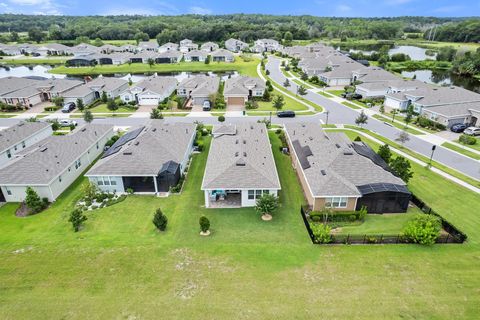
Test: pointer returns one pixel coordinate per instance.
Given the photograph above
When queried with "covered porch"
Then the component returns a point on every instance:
(223, 199)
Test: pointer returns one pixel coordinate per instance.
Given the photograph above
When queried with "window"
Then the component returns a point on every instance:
(336, 202)
(113, 182)
(9, 192)
(251, 194)
(100, 181)
(255, 194)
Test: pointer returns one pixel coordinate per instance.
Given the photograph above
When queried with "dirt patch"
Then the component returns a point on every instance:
(22, 211)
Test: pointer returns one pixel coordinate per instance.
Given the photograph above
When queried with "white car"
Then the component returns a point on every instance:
(472, 131)
(67, 123)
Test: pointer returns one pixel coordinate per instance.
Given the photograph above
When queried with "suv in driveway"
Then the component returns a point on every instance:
(68, 107)
(472, 131)
(458, 127)
(206, 106)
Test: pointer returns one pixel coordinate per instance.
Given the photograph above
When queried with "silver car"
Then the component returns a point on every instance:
(472, 131)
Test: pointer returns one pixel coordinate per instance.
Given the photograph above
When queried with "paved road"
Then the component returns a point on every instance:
(338, 113)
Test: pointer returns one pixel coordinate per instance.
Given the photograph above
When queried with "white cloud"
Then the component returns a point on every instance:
(158, 8)
(397, 2)
(43, 7)
(199, 10)
(343, 8)
(448, 9)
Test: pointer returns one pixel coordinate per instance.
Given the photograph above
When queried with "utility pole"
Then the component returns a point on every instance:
(327, 112)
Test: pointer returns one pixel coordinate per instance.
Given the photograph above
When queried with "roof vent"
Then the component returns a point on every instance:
(244, 154)
(323, 172)
(137, 143)
(337, 145)
(240, 162)
(84, 129)
(154, 129)
(127, 153)
(236, 154)
(44, 149)
(244, 141)
(236, 141)
(348, 152)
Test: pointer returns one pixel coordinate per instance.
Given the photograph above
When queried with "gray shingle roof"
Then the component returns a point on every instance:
(241, 85)
(334, 167)
(435, 95)
(146, 154)
(19, 132)
(243, 160)
(201, 85)
(45, 160)
(156, 84)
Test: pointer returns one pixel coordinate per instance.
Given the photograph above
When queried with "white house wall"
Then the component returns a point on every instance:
(251, 203)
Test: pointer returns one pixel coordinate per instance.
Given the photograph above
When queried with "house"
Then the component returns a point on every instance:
(169, 46)
(9, 50)
(150, 91)
(240, 166)
(239, 90)
(20, 136)
(53, 49)
(129, 48)
(93, 90)
(264, 45)
(222, 55)
(382, 88)
(115, 58)
(29, 92)
(172, 56)
(198, 88)
(143, 56)
(373, 74)
(343, 175)
(340, 75)
(82, 60)
(84, 49)
(209, 46)
(148, 159)
(450, 114)
(148, 46)
(187, 45)
(235, 45)
(196, 56)
(52, 164)
(108, 48)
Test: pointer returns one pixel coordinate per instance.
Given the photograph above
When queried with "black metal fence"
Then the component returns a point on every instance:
(451, 234)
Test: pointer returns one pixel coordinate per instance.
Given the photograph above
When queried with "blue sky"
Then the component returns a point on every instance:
(344, 8)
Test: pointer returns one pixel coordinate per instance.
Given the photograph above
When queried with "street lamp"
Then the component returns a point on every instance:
(327, 112)
(394, 112)
(431, 156)
(270, 117)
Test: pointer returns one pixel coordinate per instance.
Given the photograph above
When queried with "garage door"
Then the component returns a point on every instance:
(235, 101)
(148, 101)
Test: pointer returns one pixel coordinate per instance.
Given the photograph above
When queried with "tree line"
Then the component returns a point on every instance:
(247, 27)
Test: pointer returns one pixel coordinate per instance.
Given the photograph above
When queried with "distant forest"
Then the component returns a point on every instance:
(246, 27)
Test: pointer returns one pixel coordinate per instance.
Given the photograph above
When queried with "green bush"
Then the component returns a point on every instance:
(468, 140)
(51, 108)
(221, 118)
(321, 233)
(336, 216)
(423, 229)
(204, 224)
(160, 220)
(115, 201)
(77, 218)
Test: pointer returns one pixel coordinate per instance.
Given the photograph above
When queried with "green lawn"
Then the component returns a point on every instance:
(475, 146)
(337, 93)
(396, 124)
(34, 61)
(378, 224)
(119, 267)
(246, 68)
(461, 150)
(290, 104)
(351, 105)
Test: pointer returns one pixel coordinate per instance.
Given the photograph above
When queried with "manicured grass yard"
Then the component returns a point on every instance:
(396, 124)
(120, 267)
(461, 150)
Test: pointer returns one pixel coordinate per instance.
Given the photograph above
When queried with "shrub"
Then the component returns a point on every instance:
(160, 220)
(115, 201)
(204, 224)
(321, 233)
(112, 140)
(77, 218)
(423, 229)
(266, 204)
(221, 118)
(33, 201)
(129, 190)
(466, 139)
(358, 139)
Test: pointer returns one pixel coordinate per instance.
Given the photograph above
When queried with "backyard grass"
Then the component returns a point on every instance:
(34, 61)
(119, 267)
(461, 150)
(245, 68)
(396, 124)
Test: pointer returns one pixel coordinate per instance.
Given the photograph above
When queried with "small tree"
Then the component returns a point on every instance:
(266, 205)
(90, 191)
(112, 105)
(382, 109)
(408, 118)
(156, 114)
(267, 72)
(80, 104)
(55, 125)
(321, 233)
(385, 153)
(286, 84)
(402, 168)
(33, 201)
(423, 229)
(77, 218)
(58, 101)
(361, 119)
(88, 116)
(160, 220)
(104, 97)
(150, 62)
(304, 76)
(278, 102)
(266, 96)
(221, 118)
(204, 224)
(403, 137)
(301, 90)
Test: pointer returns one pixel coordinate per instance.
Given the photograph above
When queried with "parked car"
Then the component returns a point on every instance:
(352, 96)
(206, 106)
(458, 127)
(68, 107)
(472, 131)
(67, 123)
(286, 114)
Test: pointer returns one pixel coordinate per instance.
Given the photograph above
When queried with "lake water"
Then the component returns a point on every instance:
(415, 53)
(42, 71)
(444, 77)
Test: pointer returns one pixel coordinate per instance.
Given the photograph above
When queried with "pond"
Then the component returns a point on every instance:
(42, 71)
(415, 53)
(444, 77)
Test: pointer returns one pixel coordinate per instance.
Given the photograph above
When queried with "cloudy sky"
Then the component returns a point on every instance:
(344, 8)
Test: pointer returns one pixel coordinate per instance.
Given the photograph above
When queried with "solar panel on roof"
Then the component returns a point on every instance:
(127, 137)
(382, 187)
